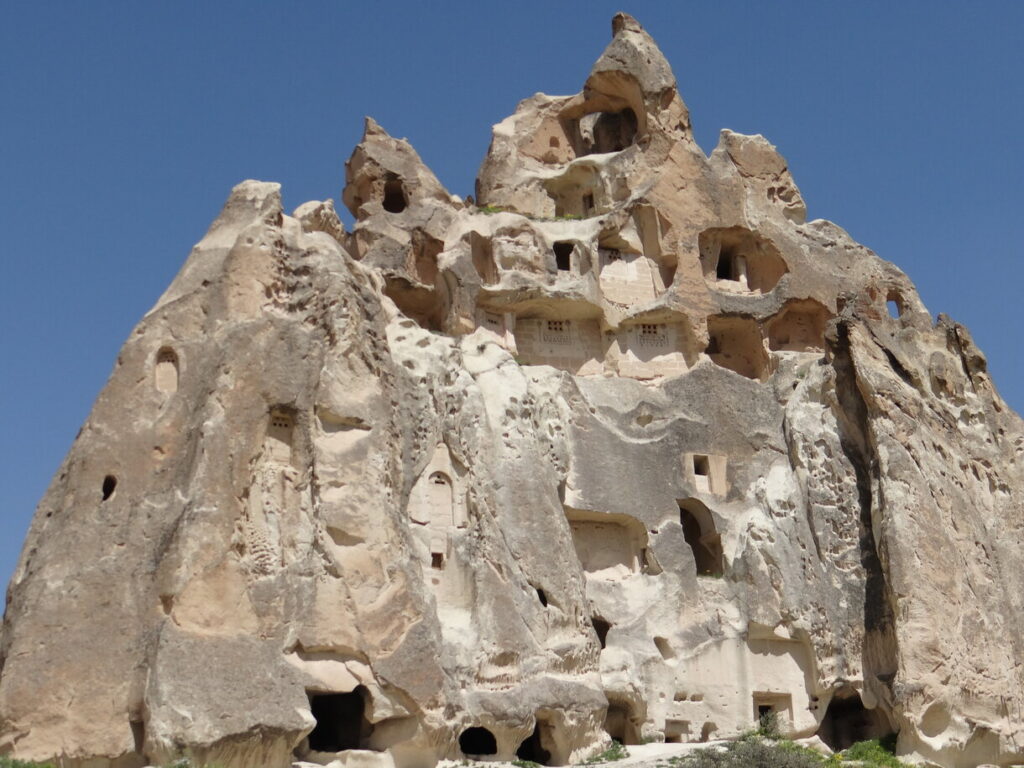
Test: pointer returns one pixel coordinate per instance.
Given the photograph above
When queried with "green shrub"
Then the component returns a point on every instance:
(615, 752)
(756, 749)
(768, 726)
(6, 762)
(753, 751)
(874, 753)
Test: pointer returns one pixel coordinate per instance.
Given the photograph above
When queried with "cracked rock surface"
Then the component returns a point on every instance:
(625, 448)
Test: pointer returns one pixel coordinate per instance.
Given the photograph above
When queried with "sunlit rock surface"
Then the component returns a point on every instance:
(626, 448)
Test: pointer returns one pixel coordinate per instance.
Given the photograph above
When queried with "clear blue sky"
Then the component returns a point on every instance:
(125, 124)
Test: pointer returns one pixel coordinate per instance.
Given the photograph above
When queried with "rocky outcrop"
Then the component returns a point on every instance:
(625, 449)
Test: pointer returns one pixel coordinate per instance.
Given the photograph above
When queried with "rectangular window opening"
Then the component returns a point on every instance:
(563, 256)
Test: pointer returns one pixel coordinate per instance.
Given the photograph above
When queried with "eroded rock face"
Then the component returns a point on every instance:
(627, 449)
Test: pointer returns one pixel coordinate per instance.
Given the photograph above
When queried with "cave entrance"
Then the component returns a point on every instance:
(620, 723)
(613, 131)
(531, 749)
(542, 745)
(704, 540)
(478, 741)
(341, 722)
(848, 721)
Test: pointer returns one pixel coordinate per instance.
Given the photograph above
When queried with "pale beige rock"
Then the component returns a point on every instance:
(627, 450)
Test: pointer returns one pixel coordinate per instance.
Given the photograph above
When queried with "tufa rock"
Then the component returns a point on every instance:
(627, 450)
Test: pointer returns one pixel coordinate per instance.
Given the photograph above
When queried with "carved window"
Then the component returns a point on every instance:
(166, 373)
(588, 204)
(563, 255)
(279, 437)
(395, 200)
(653, 335)
(556, 331)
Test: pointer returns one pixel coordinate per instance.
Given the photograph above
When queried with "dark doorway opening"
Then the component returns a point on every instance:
(477, 741)
(563, 256)
(340, 721)
(395, 200)
(601, 627)
(699, 532)
(848, 721)
(531, 749)
(726, 269)
(620, 724)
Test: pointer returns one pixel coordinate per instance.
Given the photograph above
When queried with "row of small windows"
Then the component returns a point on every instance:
(557, 326)
(648, 330)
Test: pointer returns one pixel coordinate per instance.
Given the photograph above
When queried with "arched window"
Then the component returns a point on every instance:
(109, 486)
(166, 371)
(894, 303)
(439, 487)
(699, 532)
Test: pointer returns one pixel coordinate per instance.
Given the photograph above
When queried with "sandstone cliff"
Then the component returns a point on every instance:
(625, 449)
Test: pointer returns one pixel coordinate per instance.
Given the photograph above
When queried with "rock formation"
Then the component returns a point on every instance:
(627, 449)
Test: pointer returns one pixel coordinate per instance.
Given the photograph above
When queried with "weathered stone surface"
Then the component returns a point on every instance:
(626, 449)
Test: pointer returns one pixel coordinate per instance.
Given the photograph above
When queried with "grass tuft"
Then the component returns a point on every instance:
(617, 751)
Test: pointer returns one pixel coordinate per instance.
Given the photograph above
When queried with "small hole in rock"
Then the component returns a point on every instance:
(109, 486)
(602, 628)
